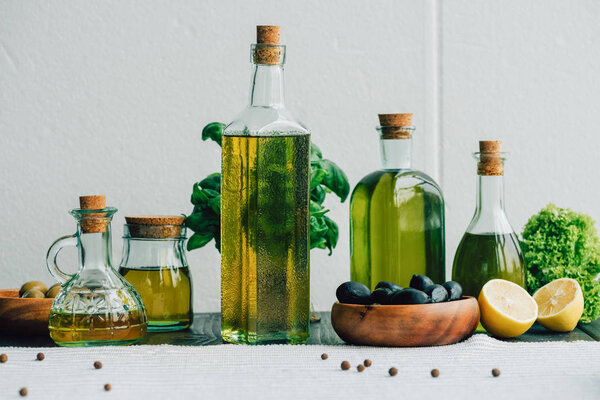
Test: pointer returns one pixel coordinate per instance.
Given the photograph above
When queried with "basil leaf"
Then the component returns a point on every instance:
(213, 182)
(318, 194)
(315, 153)
(332, 234)
(214, 132)
(198, 240)
(335, 179)
(317, 175)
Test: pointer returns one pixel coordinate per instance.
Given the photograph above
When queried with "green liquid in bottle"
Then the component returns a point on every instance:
(265, 296)
(397, 228)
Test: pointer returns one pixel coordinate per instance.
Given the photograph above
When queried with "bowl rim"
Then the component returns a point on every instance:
(13, 295)
(350, 305)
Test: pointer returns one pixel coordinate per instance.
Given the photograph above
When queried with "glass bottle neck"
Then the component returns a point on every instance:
(396, 153)
(95, 250)
(266, 86)
(490, 216)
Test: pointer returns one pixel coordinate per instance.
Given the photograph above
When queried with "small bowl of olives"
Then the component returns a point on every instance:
(25, 311)
(423, 314)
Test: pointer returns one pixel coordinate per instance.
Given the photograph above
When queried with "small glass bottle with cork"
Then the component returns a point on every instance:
(95, 306)
(489, 248)
(154, 262)
(396, 215)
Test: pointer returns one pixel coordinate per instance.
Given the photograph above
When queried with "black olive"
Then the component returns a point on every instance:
(454, 290)
(420, 282)
(389, 285)
(353, 293)
(437, 293)
(382, 296)
(410, 296)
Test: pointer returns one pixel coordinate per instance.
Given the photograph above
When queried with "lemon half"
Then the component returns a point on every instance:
(560, 304)
(507, 310)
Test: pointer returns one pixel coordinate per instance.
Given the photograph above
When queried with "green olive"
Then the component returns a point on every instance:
(33, 285)
(33, 294)
(53, 291)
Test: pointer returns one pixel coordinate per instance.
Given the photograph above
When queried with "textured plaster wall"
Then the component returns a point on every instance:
(110, 97)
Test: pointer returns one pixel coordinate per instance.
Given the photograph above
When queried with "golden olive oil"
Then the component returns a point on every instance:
(68, 329)
(166, 293)
(265, 296)
(481, 257)
(397, 228)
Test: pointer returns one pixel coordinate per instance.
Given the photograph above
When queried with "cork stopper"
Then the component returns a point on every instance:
(396, 126)
(155, 226)
(94, 222)
(490, 158)
(267, 50)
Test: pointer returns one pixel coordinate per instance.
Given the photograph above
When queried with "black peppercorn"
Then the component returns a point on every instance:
(97, 364)
(23, 392)
(360, 367)
(435, 373)
(107, 387)
(345, 365)
(3, 358)
(40, 356)
(393, 371)
(496, 372)
(324, 356)
(367, 363)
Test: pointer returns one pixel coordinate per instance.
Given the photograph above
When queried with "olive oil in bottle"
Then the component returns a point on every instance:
(265, 281)
(154, 262)
(397, 215)
(490, 248)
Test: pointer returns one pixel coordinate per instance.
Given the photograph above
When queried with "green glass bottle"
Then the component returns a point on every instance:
(490, 248)
(396, 215)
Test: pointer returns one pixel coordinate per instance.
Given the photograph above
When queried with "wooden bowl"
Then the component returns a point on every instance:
(23, 316)
(406, 325)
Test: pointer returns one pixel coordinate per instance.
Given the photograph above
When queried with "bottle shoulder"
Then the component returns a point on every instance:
(401, 178)
(265, 121)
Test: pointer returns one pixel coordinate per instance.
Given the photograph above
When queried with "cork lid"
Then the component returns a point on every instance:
(93, 222)
(396, 126)
(490, 162)
(155, 226)
(267, 49)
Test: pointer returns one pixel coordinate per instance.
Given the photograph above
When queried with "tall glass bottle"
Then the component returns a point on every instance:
(396, 215)
(265, 281)
(490, 248)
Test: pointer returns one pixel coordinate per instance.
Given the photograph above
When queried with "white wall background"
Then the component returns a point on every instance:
(110, 97)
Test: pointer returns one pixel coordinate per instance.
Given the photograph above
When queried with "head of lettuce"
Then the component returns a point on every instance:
(560, 243)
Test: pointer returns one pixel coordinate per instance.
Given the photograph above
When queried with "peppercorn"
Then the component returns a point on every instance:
(23, 392)
(360, 367)
(107, 387)
(345, 365)
(496, 372)
(324, 356)
(3, 358)
(435, 373)
(40, 356)
(97, 364)
(393, 371)
(367, 363)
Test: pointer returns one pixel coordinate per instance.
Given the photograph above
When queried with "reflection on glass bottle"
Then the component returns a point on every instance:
(96, 306)
(397, 215)
(490, 248)
(265, 294)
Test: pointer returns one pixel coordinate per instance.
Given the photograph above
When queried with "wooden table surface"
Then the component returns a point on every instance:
(205, 331)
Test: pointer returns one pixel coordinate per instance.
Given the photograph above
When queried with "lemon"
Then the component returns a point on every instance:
(560, 304)
(507, 310)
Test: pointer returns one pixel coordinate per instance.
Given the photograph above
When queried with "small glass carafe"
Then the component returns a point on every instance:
(95, 306)
(489, 248)
(154, 262)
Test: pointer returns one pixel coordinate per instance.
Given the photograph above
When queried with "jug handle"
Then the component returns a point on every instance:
(57, 246)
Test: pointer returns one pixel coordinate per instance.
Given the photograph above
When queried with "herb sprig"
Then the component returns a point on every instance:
(325, 177)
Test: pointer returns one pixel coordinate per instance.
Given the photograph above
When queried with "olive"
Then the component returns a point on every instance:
(382, 296)
(437, 293)
(420, 282)
(410, 296)
(454, 290)
(33, 294)
(353, 293)
(389, 285)
(53, 291)
(33, 285)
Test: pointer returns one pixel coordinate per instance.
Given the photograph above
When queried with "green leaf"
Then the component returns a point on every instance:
(335, 179)
(215, 204)
(213, 182)
(315, 153)
(318, 194)
(198, 240)
(214, 132)
(317, 175)
(332, 234)
(202, 221)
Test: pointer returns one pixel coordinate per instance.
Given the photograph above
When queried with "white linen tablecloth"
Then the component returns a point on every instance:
(548, 370)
